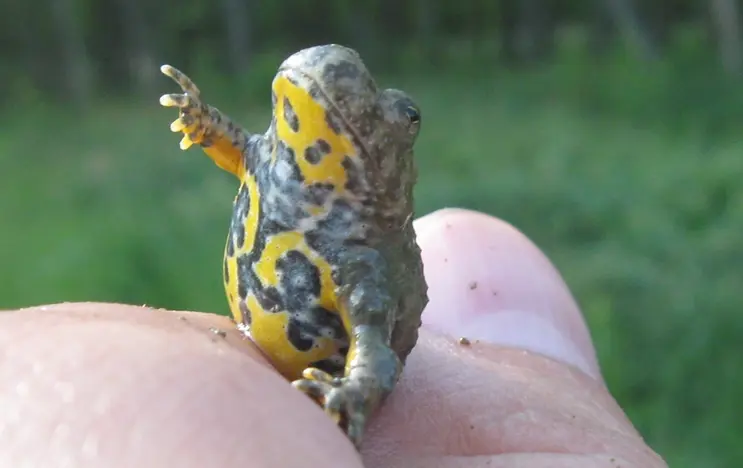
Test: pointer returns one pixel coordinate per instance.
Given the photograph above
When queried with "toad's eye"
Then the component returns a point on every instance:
(414, 116)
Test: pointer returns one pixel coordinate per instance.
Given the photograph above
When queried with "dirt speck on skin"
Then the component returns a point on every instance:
(182, 318)
(218, 332)
(473, 285)
(464, 341)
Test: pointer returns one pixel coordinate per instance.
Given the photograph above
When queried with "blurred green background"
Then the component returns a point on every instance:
(607, 130)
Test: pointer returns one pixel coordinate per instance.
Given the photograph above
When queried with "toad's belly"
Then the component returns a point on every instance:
(281, 293)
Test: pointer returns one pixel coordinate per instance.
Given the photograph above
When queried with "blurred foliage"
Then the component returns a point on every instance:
(627, 170)
(54, 46)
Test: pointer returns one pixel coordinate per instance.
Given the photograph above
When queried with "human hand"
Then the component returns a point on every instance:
(91, 385)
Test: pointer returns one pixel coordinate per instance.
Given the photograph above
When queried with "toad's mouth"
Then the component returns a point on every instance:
(308, 81)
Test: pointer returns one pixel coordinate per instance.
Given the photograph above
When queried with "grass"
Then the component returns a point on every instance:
(629, 176)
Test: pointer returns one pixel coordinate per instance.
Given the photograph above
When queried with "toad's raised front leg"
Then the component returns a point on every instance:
(368, 311)
(220, 138)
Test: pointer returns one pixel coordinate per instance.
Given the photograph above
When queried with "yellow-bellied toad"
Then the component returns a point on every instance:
(321, 266)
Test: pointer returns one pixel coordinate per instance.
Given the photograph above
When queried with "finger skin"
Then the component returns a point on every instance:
(483, 402)
(487, 404)
(120, 386)
(103, 384)
(113, 385)
(487, 280)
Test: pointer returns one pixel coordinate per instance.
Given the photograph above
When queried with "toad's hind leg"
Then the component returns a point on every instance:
(368, 311)
(220, 138)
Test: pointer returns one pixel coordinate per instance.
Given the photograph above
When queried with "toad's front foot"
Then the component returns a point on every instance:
(348, 401)
(194, 118)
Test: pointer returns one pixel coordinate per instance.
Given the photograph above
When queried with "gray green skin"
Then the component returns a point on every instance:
(366, 235)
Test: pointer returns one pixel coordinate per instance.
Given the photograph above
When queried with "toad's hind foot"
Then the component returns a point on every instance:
(345, 400)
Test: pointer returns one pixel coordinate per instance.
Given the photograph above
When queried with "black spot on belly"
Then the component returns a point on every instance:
(353, 175)
(319, 192)
(230, 252)
(240, 235)
(315, 322)
(246, 280)
(247, 319)
(271, 147)
(271, 227)
(285, 169)
(320, 317)
(256, 144)
(290, 116)
(239, 213)
(242, 288)
(333, 122)
(226, 272)
(314, 154)
(323, 146)
(300, 280)
(298, 337)
(270, 299)
(282, 206)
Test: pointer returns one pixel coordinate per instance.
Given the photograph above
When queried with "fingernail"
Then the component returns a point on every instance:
(488, 282)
